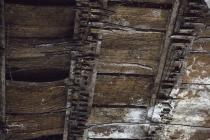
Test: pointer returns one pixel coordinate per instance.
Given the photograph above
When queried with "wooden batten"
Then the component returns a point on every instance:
(39, 21)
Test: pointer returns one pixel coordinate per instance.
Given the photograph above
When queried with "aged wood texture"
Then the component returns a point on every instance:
(21, 127)
(2, 71)
(107, 115)
(139, 49)
(132, 90)
(47, 97)
(137, 17)
(39, 21)
(136, 53)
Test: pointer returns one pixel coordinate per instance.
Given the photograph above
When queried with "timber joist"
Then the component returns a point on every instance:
(83, 67)
(189, 21)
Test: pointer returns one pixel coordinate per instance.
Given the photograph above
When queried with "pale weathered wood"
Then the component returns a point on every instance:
(136, 17)
(117, 115)
(122, 90)
(118, 131)
(39, 21)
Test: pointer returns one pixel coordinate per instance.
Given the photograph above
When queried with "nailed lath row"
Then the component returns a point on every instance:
(83, 67)
(2, 69)
(189, 22)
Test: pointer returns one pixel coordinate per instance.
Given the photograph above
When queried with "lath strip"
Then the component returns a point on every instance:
(2, 68)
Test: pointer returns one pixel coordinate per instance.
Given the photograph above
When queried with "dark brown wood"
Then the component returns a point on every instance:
(2, 72)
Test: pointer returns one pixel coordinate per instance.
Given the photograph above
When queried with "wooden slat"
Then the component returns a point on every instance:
(117, 115)
(122, 90)
(144, 18)
(198, 69)
(39, 21)
(32, 126)
(118, 131)
(2, 72)
(31, 97)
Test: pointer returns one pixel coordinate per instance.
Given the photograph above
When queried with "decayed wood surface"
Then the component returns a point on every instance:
(39, 21)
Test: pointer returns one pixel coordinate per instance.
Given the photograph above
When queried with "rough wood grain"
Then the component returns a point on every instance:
(23, 127)
(42, 21)
(122, 90)
(133, 54)
(117, 115)
(31, 97)
(145, 18)
(131, 48)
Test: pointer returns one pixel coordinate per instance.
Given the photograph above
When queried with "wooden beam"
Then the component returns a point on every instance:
(164, 51)
(2, 72)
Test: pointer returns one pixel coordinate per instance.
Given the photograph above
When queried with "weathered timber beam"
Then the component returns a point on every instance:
(164, 50)
(2, 72)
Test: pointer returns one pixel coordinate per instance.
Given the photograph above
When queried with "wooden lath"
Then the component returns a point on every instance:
(2, 76)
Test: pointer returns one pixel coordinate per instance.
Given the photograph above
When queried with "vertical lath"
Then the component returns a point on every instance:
(2, 66)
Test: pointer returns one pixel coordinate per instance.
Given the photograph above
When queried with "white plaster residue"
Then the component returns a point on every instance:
(194, 106)
(119, 131)
(135, 115)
